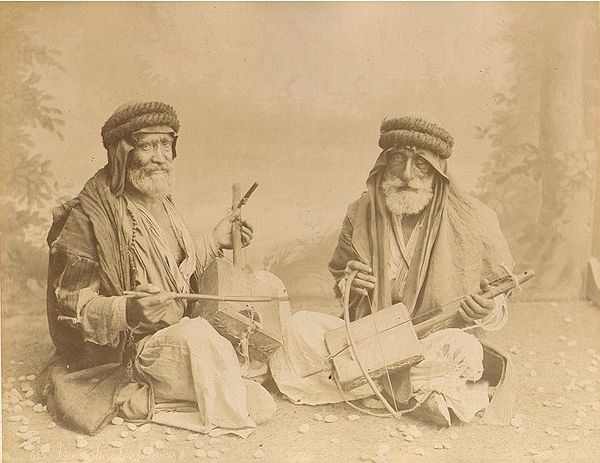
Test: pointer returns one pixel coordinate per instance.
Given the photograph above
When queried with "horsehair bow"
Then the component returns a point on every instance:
(354, 349)
(206, 297)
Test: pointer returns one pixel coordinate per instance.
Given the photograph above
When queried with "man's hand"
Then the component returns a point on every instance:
(476, 307)
(364, 279)
(222, 231)
(148, 310)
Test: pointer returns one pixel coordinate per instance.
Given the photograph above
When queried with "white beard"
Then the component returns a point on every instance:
(150, 181)
(402, 201)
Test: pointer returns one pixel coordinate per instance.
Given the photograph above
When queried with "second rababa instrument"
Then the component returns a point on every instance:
(387, 340)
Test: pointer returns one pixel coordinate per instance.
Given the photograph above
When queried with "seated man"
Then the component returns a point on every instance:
(136, 355)
(414, 238)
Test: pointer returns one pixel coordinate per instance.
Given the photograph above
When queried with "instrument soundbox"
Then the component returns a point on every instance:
(254, 328)
(386, 340)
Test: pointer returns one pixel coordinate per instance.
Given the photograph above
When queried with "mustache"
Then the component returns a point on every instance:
(415, 184)
(151, 168)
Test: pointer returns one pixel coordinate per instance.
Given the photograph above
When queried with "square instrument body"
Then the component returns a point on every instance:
(385, 339)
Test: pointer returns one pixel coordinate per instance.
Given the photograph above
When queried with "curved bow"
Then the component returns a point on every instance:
(354, 350)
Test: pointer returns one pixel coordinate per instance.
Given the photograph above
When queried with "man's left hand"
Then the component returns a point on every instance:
(222, 233)
(475, 306)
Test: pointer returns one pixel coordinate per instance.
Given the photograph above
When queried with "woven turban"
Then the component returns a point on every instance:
(413, 131)
(130, 118)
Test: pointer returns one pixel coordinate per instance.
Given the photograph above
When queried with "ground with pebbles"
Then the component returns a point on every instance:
(555, 346)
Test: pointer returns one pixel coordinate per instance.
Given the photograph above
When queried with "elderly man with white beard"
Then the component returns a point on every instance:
(416, 238)
(139, 357)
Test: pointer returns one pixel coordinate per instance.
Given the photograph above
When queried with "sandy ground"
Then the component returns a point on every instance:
(563, 395)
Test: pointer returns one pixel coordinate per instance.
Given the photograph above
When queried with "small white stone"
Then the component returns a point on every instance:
(17, 409)
(124, 434)
(259, 454)
(51, 425)
(409, 438)
(116, 444)
(304, 428)
(81, 443)
(23, 428)
(573, 438)
(213, 454)
(159, 444)
(318, 417)
(131, 426)
(401, 427)
(331, 419)
(11, 379)
(145, 427)
(44, 448)
(29, 393)
(578, 422)
(30, 377)
(25, 420)
(117, 421)
(438, 446)
(148, 451)
(199, 444)
(29, 447)
(394, 433)
(193, 436)
(568, 320)
(353, 417)
(514, 350)
(419, 451)
(416, 433)
(200, 453)
(516, 421)
(38, 408)
(169, 431)
(334, 440)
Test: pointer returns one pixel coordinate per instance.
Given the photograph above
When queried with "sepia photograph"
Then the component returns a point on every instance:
(299, 232)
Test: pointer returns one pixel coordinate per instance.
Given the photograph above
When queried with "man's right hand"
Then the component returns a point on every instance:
(364, 279)
(149, 309)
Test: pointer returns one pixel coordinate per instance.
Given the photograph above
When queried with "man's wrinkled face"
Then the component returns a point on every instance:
(407, 182)
(149, 167)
